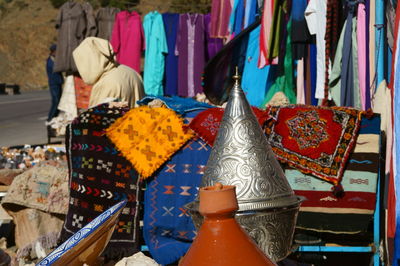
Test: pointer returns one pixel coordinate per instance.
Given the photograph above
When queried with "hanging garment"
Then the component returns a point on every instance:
(250, 13)
(347, 88)
(191, 54)
(127, 39)
(67, 102)
(300, 96)
(171, 22)
(368, 100)
(332, 34)
(237, 17)
(266, 24)
(156, 48)
(284, 83)
(299, 33)
(232, 55)
(371, 54)
(361, 52)
(313, 75)
(390, 14)
(105, 21)
(71, 27)
(315, 15)
(356, 79)
(254, 79)
(214, 45)
(91, 28)
(99, 177)
(220, 12)
(96, 66)
(334, 78)
(334, 24)
(338, 89)
(278, 30)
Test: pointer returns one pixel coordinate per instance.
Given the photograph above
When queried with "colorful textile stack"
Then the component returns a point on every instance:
(315, 140)
(99, 178)
(147, 137)
(206, 124)
(353, 212)
(168, 228)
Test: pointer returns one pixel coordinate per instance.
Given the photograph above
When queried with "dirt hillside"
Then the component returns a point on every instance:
(27, 30)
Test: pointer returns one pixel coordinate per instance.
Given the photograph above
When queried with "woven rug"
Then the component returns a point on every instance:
(168, 229)
(353, 212)
(148, 137)
(206, 124)
(99, 178)
(315, 140)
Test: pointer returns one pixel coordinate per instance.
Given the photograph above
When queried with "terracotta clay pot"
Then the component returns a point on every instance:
(221, 241)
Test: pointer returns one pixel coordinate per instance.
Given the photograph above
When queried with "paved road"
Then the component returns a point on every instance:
(22, 118)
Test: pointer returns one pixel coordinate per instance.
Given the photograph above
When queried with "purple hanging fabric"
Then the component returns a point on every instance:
(213, 44)
(190, 48)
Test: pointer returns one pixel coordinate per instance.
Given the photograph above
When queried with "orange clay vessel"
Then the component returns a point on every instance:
(221, 241)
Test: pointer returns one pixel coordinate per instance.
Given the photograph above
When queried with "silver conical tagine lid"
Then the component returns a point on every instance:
(242, 157)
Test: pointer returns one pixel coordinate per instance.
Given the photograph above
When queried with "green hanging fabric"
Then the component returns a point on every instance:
(275, 34)
(284, 83)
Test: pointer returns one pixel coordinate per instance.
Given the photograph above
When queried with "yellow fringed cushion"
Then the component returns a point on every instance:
(148, 137)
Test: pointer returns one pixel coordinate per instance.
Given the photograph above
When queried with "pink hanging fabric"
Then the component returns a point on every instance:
(220, 12)
(266, 23)
(301, 97)
(127, 39)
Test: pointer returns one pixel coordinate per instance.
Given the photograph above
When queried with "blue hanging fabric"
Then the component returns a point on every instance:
(347, 73)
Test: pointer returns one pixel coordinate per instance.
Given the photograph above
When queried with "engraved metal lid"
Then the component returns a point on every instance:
(242, 157)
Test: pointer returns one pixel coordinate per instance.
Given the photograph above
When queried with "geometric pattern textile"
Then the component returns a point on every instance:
(100, 177)
(147, 137)
(168, 229)
(206, 124)
(315, 140)
(354, 211)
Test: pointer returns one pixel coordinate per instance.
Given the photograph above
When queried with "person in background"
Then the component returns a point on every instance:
(95, 60)
(55, 80)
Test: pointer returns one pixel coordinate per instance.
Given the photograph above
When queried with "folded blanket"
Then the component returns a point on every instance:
(353, 212)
